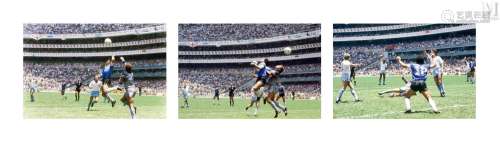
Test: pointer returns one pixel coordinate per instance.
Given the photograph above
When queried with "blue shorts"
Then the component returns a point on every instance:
(94, 93)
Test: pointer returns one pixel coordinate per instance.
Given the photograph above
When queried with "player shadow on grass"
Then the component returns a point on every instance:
(420, 112)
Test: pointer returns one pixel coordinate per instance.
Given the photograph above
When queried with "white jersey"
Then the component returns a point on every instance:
(346, 67)
(439, 63)
(383, 66)
(185, 91)
(95, 86)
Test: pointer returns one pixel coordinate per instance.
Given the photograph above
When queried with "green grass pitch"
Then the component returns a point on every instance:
(50, 105)
(205, 108)
(460, 102)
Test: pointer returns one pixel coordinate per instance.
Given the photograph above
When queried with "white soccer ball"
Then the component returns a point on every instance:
(287, 50)
(107, 41)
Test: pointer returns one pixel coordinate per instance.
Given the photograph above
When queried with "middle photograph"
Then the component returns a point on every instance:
(249, 71)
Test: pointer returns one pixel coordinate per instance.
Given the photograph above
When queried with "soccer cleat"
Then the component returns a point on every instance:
(286, 111)
(407, 111)
(246, 108)
(436, 112)
(443, 94)
(338, 101)
(380, 94)
(276, 114)
(113, 103)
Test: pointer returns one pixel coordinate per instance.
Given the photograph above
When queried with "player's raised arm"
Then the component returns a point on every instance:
(398, 59)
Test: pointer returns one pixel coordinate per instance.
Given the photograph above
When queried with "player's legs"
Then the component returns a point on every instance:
(438, 79)
(32, 95)
(407, 95)
(353, 92)
(394, 90)
(431, 102)
(129, 98)
(383, 78)
(105, 92)
(379, 78)
(341, 92)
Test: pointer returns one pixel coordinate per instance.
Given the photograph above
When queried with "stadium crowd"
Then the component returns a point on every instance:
(50, 75)
(397, 31)
(76, 28)
(231, 32)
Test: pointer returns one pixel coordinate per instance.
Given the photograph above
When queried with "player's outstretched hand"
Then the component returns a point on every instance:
(113, 57)
(122, 59)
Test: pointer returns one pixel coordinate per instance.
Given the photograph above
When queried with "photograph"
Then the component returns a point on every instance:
(249, 71)
(404, 71)
(94, 70)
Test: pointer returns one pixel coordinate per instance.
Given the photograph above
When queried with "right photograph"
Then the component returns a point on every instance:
(404, 71)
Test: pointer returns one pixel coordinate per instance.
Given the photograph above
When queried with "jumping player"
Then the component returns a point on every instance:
(383, 67)
(106, 72)
(346, 78)
(127, 80)
(231, 95)
(437, 71)
(78, 86)
(419, 72)
(260, 79)
(272, 88)
(94, 85)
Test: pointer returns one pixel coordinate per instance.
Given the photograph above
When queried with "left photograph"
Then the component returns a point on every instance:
(94, 70)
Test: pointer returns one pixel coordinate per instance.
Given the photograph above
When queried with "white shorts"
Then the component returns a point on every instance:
(185, 95)
(405, 88)
(382, 72)
(436, 72)
(130, 91)
(345, 77)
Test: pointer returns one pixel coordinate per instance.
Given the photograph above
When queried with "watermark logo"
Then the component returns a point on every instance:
(489, 12)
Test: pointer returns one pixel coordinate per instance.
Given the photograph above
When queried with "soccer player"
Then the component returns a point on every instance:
(419, 72)
(127, 80)
(272, 89)
(63, 89)
(94, 85)
(471, 69)
(346, 78)
(185, 95)
(437, 71)
(231, 95)
(383, 67)
(216, 96)
(353, 75)
(260, 79)
(33, 89)
(281, 94)
(106, 72)
(293, 95)
(397, 91)
(78, 87)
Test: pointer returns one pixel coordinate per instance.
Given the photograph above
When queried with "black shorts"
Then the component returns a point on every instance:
(418, 85)
(78, 90)
(281, 95)
(263, 79)
(62, 92)
(231, 95)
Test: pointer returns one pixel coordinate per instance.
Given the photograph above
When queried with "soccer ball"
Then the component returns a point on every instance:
(287, 50)
(107, 41)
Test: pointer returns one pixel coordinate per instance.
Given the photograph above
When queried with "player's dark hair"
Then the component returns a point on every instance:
(347, 57)
(266, 61)
(420, 59)
(128, 68)
(435, 51)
